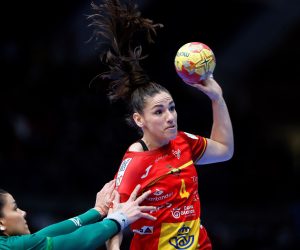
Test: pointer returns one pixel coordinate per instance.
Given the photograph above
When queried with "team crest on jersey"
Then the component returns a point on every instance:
(122, 170)
(191, 136)
(176, 153)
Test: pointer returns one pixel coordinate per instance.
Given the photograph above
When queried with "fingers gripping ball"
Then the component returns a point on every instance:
(194, 62)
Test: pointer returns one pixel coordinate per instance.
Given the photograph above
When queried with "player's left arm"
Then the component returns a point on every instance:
(220, 145)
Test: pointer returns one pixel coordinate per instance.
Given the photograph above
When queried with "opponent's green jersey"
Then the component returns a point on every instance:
(81, 232)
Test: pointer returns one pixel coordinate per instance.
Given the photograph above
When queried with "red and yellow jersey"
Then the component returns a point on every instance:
(170, 174)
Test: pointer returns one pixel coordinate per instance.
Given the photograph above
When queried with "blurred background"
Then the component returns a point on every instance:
(60, 140)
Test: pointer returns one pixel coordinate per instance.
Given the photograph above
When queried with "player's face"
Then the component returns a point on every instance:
(160, 118)
(13, 220)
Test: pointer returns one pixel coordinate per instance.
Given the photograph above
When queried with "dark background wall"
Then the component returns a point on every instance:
(60, 140)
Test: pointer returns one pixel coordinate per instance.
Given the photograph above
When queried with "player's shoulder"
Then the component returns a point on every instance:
(136, 147)
(188, 135)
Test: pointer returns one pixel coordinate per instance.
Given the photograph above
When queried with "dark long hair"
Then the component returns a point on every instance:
(119, 30)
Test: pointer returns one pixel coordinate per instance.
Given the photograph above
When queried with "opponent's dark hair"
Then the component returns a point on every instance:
(117, 30)
(2, 204)
(2, 200)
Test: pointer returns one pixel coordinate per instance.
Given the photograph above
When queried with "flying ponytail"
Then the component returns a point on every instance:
(116, 26)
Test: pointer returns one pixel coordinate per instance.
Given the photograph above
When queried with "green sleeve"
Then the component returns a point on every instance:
(87, 237)
(23, 242)
(70, 225)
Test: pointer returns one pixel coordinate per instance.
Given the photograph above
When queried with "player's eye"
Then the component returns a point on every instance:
(172, 108)
(158, 112)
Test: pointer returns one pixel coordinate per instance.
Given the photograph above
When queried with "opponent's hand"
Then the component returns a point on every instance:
(105, 197)
(131, 208)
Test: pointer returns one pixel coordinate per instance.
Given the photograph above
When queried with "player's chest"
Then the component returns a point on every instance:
(168, 170)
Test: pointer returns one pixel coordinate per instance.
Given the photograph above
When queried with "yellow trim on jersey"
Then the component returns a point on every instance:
(172, 171)
(204, 148)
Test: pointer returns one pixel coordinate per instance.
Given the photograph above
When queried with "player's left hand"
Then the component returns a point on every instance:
(210, 87)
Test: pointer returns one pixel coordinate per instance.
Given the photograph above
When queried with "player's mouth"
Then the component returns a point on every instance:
(172, 128)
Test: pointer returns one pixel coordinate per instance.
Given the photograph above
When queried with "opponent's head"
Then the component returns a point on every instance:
(12, 218)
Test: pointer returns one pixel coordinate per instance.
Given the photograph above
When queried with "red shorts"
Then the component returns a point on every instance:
(204, 241)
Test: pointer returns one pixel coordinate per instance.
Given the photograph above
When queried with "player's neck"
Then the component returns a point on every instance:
(154, 144)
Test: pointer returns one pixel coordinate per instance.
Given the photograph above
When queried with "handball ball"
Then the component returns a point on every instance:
(194, 62)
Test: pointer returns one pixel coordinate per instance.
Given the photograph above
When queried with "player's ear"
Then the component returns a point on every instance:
(138, 119)
(2, 227)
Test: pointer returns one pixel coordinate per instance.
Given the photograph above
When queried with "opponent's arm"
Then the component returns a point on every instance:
(87, 237)
(103, 198)
(95, 235)
(70, 225)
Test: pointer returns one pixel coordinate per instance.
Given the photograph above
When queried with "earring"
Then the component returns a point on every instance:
(2, 228)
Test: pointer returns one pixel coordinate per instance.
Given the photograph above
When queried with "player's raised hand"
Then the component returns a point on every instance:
(209, 87)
